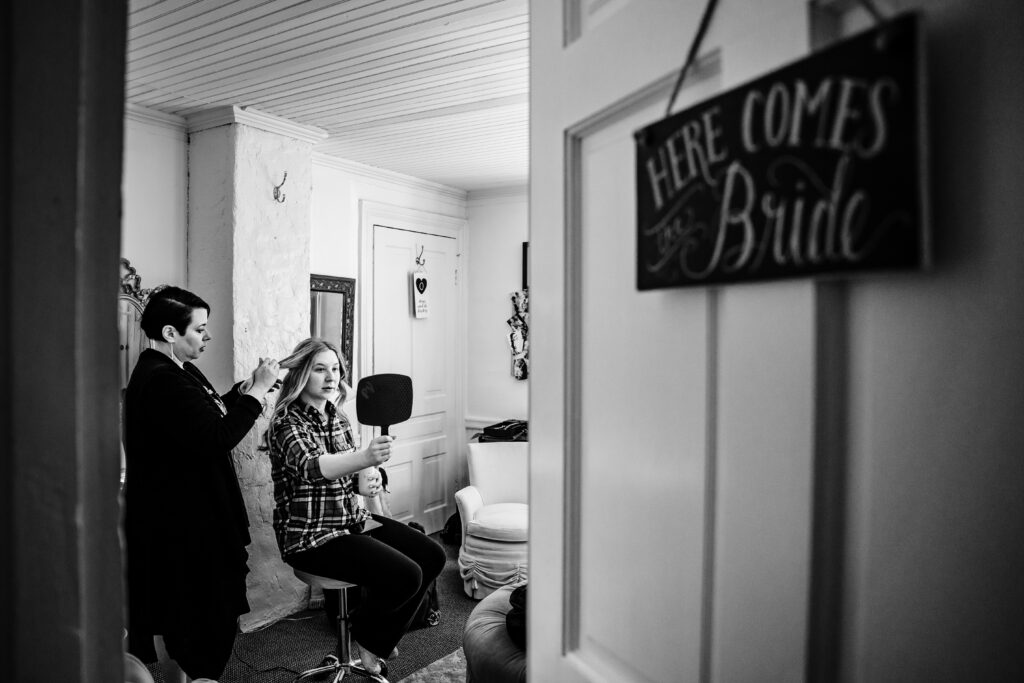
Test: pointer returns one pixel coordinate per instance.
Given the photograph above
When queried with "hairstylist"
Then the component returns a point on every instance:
(186, 528)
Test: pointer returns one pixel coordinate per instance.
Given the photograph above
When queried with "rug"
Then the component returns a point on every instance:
(449, 669)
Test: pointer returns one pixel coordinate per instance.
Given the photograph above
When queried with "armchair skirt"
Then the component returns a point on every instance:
(486, 565)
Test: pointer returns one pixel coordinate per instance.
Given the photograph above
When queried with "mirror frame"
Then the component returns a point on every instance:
(346, 286)
(130, 290)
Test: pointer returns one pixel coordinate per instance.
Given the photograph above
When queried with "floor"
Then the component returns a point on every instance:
(276, 653)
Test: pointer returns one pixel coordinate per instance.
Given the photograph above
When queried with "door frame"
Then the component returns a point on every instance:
(60, 583)
(373, 213)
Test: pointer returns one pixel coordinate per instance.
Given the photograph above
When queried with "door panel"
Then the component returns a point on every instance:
(424, 349)
(659, 464)
(402, 501)
(670, 480)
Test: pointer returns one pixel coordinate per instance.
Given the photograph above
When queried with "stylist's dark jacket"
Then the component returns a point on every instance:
(185, 523)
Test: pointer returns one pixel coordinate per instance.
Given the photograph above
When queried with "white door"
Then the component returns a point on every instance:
(420, 471)
(670, 487)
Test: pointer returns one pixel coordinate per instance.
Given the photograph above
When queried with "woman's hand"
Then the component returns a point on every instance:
(264, 377)
(379, 451)
(262, 381)
(368, 482)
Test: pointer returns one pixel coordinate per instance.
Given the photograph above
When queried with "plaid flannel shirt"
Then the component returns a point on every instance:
(310, 509)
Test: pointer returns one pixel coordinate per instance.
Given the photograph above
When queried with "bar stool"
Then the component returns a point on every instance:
(342, 662)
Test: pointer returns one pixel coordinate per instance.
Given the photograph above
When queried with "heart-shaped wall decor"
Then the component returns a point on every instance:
(421, 284)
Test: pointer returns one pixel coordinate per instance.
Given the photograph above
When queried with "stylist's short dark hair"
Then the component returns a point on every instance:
(170, 306)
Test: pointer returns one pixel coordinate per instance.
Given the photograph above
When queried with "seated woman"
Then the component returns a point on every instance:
(319, 520)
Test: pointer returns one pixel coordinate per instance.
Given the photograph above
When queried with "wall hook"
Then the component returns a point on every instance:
(420, 261)
(278, 195)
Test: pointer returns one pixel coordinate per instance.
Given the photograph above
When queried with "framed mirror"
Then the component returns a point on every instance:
(332, 309)
(131, 299)
(131, 340)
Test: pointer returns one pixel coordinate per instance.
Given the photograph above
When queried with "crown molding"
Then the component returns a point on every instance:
(140, 114)
(222, 116)
(490, 194)
(380, 174)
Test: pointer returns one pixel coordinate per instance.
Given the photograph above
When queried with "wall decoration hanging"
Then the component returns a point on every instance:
(418, 280)
(519, 335)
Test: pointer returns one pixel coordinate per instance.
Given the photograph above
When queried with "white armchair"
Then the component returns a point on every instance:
(495, 517)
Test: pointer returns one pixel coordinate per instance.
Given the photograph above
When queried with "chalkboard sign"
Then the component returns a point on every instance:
(816, 168)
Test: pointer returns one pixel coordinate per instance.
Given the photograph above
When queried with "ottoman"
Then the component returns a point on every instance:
(491, 656)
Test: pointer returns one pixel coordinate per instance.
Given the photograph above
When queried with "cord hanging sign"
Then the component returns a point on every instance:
(814, 169)
(418, 280)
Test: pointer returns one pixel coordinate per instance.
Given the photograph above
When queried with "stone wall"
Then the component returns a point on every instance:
(249, 253)
(271, 315)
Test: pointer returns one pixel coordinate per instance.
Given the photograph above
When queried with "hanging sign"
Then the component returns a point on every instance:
(420, 309)
(814, 169)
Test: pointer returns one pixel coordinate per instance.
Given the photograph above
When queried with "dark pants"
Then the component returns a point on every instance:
(204, 651)
(394, 564)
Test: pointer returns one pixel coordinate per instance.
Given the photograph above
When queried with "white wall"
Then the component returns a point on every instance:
(339, 188)
(154, 196)
(498, 226)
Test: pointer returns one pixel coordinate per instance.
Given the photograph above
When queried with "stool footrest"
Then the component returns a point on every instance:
(330, 663)
(353, 666)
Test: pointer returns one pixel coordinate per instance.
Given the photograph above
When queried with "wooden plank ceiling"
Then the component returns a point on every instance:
(435, 89)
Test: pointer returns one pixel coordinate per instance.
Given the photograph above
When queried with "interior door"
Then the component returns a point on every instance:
(670, 488)
(424, 348)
